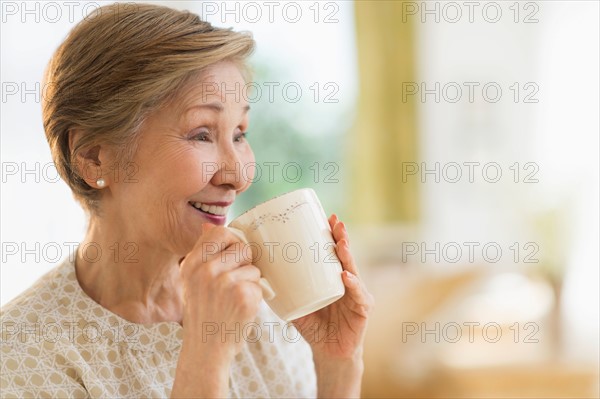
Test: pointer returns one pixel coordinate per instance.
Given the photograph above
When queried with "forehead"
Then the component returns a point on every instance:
(222, 82)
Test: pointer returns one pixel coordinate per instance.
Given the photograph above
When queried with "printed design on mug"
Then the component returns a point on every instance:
(280, 217)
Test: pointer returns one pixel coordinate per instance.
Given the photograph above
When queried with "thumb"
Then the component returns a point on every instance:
(206, 227)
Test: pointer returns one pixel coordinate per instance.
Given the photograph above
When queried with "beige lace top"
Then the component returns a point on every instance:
(57, 342)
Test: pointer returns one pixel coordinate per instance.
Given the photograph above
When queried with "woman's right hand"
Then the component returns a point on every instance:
(221, 294)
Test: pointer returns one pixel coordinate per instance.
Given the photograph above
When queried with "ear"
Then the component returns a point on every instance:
(90, 163)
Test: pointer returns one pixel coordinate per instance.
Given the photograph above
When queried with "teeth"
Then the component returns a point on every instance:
(213, 209)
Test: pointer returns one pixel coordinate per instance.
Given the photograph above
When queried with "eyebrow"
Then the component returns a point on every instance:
(216, 106)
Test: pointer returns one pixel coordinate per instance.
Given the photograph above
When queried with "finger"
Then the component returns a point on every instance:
(357, 292)
(248, 274)
(217, 234)
(343, 252)
(245, 273)
(219, 247)
(220, 241)
(340, 232)
(336, 231)
(332, 220)
(207, 227)
(206, 232)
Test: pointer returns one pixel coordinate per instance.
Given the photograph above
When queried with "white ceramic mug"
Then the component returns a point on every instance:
(289, 239)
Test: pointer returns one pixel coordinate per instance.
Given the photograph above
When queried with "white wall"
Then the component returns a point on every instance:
(558, 134)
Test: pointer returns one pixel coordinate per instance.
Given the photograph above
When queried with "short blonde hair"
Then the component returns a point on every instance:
(117, 66)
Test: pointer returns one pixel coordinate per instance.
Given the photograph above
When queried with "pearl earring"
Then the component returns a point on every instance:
(101, 182)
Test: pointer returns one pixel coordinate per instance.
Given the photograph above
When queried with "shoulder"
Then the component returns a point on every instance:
(33, 340)
(31, 370)
(42, 298)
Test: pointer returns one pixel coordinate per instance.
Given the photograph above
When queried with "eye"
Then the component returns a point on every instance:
(240, 137)
(201, 135)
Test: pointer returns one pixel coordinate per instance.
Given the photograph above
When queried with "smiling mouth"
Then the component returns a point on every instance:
(210, 209)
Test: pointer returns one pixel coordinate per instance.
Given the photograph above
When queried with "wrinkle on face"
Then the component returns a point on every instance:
(171, 161)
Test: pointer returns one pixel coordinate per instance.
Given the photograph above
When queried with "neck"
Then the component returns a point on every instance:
(131, 278)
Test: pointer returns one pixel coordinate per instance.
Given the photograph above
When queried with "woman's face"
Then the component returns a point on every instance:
(191, 162)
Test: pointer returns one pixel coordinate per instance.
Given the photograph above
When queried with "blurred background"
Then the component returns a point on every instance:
(458, 140)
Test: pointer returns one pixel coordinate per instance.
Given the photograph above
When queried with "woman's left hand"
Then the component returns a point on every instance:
(337, 331)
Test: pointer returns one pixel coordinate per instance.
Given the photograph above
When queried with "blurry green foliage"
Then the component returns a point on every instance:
(298, 158)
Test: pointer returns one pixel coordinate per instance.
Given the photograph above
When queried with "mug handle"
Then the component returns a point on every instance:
(267, 290)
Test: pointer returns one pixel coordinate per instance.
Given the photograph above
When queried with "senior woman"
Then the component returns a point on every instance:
(139, 99)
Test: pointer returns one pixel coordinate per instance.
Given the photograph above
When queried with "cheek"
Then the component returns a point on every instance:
(248, 172)
(183, 171)
(248, 163)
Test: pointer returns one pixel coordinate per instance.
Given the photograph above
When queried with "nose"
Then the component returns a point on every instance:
(230, 170)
